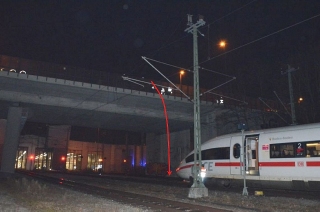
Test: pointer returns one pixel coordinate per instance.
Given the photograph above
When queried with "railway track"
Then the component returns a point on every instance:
(115, 188)
(138, 200)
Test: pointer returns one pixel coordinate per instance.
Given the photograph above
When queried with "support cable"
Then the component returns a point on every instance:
(273, 110)
(166, 78)
(282, 103)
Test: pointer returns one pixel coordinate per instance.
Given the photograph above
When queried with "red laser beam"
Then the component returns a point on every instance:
(167, 125)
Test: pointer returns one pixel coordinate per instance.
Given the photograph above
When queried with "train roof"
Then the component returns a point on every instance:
(271, 130)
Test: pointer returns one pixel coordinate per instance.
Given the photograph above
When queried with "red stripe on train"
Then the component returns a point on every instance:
(227, 164)
(313, 163)
(262, 164)
(184, 167)
(285, 164)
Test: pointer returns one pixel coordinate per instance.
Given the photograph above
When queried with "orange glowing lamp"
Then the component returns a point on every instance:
(222, 44)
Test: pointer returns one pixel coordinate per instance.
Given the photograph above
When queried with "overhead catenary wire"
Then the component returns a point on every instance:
(217, 86)
(167, 64)
(166, 78)
(230, 13)
(261, 38)
(139, 82)
(282, 103)
(179, 39)
(228, 97)
(216, 72)
(146, 59)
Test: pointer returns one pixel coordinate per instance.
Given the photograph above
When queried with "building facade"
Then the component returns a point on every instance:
(58, 152)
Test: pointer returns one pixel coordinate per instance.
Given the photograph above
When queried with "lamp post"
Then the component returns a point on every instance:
(181, 73)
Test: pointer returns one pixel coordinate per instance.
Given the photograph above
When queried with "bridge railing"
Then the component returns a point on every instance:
(37, 68)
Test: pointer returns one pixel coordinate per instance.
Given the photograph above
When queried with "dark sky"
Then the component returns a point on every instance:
(112, 35)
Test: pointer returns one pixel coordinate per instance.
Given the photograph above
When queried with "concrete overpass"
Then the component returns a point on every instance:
(64, 102)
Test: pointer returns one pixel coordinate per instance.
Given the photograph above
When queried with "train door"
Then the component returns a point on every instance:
(251, 159)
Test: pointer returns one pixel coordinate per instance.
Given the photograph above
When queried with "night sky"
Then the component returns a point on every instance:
(263, 37)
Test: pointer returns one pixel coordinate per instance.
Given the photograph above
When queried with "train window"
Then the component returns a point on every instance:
(313, 149)
(282, 150)
(212, 154)
(216, 153)
(274, 151)
(190, 158)
(236, 150)
(254, 154)
(298, 149)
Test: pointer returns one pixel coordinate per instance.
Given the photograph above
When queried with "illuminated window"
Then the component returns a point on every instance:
(93, 160)
(74, 159)
(21, 158)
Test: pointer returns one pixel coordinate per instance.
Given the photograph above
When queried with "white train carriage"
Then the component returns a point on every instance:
(287, 157)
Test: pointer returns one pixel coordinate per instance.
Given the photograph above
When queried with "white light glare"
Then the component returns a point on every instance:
(203, 172)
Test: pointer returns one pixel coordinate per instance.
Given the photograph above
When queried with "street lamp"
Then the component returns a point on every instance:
(222, 44)
(181, 73)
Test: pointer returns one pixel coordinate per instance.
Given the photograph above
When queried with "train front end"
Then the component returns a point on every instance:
(184, 170)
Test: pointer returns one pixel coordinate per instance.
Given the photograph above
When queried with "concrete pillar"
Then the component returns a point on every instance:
(3, 123)
(11, 140)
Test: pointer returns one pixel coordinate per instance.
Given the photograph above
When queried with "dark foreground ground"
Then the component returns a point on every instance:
(22, 195)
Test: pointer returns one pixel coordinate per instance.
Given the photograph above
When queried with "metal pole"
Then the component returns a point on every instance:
(197, 125)
(244, 153)
(197, 189)
(293, 112)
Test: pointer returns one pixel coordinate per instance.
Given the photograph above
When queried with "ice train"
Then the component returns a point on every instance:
(286, 157)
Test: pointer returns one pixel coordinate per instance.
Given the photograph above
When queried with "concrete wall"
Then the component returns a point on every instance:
(153, 147)
(3, 123)
(208, 127)
(58, 136)
(157, 147)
